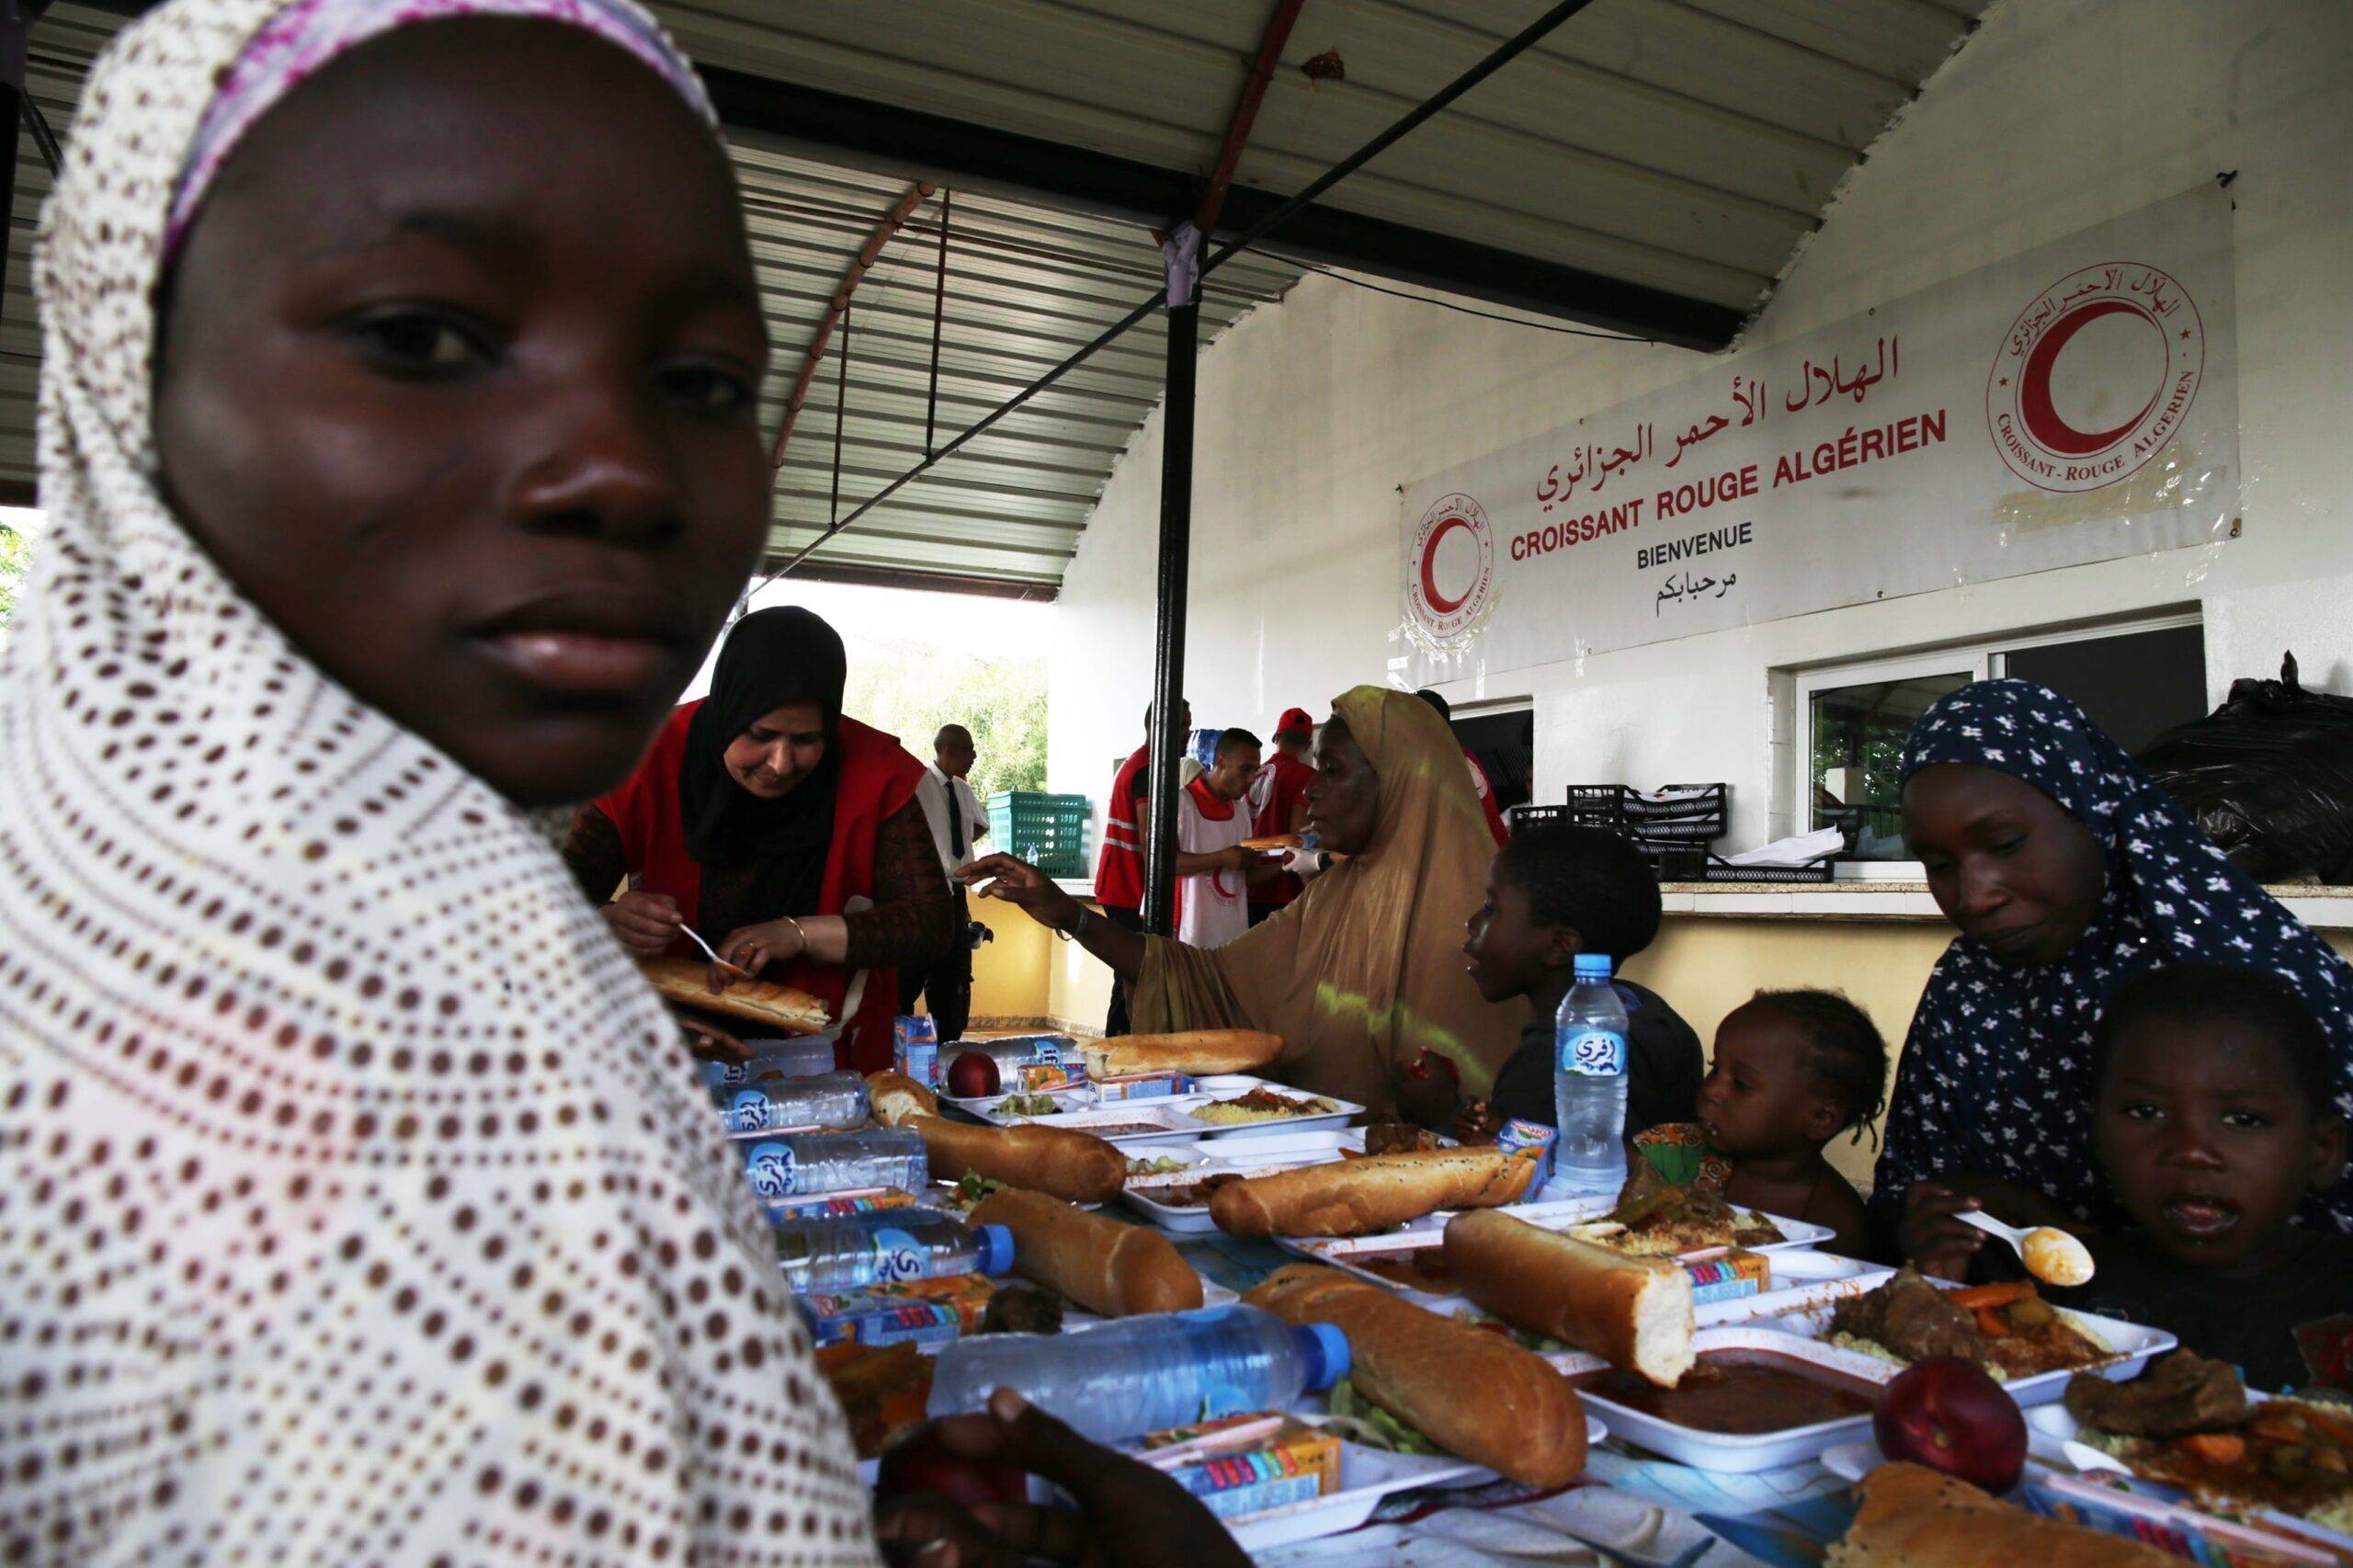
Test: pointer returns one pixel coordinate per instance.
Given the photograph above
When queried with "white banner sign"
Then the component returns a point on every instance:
(2074, 404)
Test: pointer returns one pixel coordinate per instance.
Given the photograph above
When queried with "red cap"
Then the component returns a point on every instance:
(1293, 719)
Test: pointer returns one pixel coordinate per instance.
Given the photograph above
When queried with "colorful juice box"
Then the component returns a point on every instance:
(914, 1049)
(1244, 1464)
(1143, 1087)
(1517, 1135)
(1727, 1274)
(833, 1207)
(922, 1312)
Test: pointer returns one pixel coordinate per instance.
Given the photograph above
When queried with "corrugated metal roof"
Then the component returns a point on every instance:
(1687, 144)
(1026, 285)
(1687, 147)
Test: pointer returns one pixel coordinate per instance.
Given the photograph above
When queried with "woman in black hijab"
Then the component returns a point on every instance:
(761, 811)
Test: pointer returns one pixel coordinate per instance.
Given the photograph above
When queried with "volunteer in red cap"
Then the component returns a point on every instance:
(1279, 803)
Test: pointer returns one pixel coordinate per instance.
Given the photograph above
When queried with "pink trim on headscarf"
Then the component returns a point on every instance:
(297, 42)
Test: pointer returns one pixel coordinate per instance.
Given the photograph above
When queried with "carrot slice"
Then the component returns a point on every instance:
(1978, 1297)
(2214, 1448)
(2278, 1429)
(1990, 1324)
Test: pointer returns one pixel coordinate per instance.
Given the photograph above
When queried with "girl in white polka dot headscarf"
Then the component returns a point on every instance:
(398, 448)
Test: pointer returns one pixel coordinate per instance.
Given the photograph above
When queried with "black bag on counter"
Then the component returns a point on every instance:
(2270, 776)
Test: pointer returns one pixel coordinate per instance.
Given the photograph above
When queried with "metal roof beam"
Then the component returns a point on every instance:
(986, 158)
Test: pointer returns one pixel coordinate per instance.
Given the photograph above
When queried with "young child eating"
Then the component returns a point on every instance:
(1793, 1070)
(1553, 893)
(2213, 1122)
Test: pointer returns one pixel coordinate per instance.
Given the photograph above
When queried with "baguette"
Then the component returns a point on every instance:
(1912, 1514)
(687, 982)
(1471, 1391)
(1054, 1160)
(1105, 1266)
(1350, 1197)
(897, 1097)
(1634, 1313)
(1196, 1051)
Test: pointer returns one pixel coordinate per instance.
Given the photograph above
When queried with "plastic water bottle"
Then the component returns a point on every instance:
(794, 1164)
(1146, 1374)
(1590, 1084)
(828, 1100)
(800, 1056)
(889, 1247)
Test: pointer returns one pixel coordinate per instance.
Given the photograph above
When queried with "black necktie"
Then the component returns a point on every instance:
(955, 822)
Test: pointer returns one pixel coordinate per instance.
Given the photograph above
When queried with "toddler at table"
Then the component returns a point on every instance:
(1792, 1071)
(2213, 1121)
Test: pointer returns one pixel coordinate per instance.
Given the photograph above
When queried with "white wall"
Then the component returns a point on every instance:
(2057, 115)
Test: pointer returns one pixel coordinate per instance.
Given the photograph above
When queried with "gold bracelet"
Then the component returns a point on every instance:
(796, 931)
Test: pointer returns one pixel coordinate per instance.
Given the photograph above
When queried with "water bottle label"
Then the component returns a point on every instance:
(1047, 1053)
(1594, 1053)
(898, 1257)
(750, 1112)
(771, 1169)
(726, 1075)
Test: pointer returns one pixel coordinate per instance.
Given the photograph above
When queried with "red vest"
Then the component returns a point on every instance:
(878, 778)
(1284, 792)
(1487, 793)
(1119, 870)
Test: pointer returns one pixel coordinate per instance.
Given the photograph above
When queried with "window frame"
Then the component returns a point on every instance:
(1984, 658)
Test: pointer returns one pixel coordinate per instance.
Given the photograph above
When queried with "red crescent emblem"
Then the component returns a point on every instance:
(2042, 419)
(1437, 601)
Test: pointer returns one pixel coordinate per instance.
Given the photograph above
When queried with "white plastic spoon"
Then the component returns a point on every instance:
(2052, 1254)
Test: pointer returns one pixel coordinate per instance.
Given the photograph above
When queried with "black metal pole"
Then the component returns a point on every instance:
(939, 324)
(1168, 732)
(16, 16)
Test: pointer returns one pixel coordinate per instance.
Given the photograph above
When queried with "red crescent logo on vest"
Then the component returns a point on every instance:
(2042, 444)
(1435, 617)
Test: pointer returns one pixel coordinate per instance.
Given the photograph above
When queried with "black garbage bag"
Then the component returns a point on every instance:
(2269, 776)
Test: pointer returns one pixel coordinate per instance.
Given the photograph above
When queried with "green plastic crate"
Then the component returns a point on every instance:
(1047, 831)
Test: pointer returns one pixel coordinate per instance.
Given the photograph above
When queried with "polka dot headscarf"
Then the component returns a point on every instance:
(357, 1203)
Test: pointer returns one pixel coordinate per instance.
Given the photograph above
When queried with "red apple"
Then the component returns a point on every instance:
(1948, 1413)
(971, 1075)
(921, 1462)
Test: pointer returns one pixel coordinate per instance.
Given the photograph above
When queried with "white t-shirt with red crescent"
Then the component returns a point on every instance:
(1213, 907)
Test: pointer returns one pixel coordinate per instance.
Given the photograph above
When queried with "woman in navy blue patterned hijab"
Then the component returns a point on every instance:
(2068, 872)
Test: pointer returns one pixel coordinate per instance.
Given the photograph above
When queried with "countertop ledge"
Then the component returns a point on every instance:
(2321, 908)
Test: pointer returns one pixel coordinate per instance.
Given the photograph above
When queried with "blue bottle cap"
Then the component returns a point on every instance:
(996, 1248)
(1326, 1349)
(1593, 966)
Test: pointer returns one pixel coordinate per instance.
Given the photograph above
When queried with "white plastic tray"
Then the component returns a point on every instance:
(1228, 1085)
(1801, 1278)
(1566, 1215)
(2136, 1346)
(1737, 1453)
(976, 1104)
(1170, 1124)
(1366, 1475)
(1253, 1157)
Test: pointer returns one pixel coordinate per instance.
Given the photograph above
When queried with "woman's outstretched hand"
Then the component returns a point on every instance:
(1129, 1515)
(753, 947)
(1021, 885)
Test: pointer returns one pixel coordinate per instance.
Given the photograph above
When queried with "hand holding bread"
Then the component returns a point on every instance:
(780, 1007)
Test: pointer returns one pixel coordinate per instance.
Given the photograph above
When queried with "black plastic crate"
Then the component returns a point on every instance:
(1700, 817)
(1714, 869)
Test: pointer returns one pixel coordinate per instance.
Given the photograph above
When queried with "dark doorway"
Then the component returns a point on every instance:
(1504, 745)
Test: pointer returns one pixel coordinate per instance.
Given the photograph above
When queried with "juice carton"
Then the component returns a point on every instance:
(1244, 1464)
(1726, 1273)
(921, 1312)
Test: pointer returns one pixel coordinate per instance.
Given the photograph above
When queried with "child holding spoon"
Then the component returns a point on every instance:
(2214, 1122)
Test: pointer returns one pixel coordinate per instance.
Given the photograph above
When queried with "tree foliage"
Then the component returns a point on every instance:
(15, 557)
(911, 690)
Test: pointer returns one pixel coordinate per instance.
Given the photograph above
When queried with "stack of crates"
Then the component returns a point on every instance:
(1047, 831)
(1673, 828)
